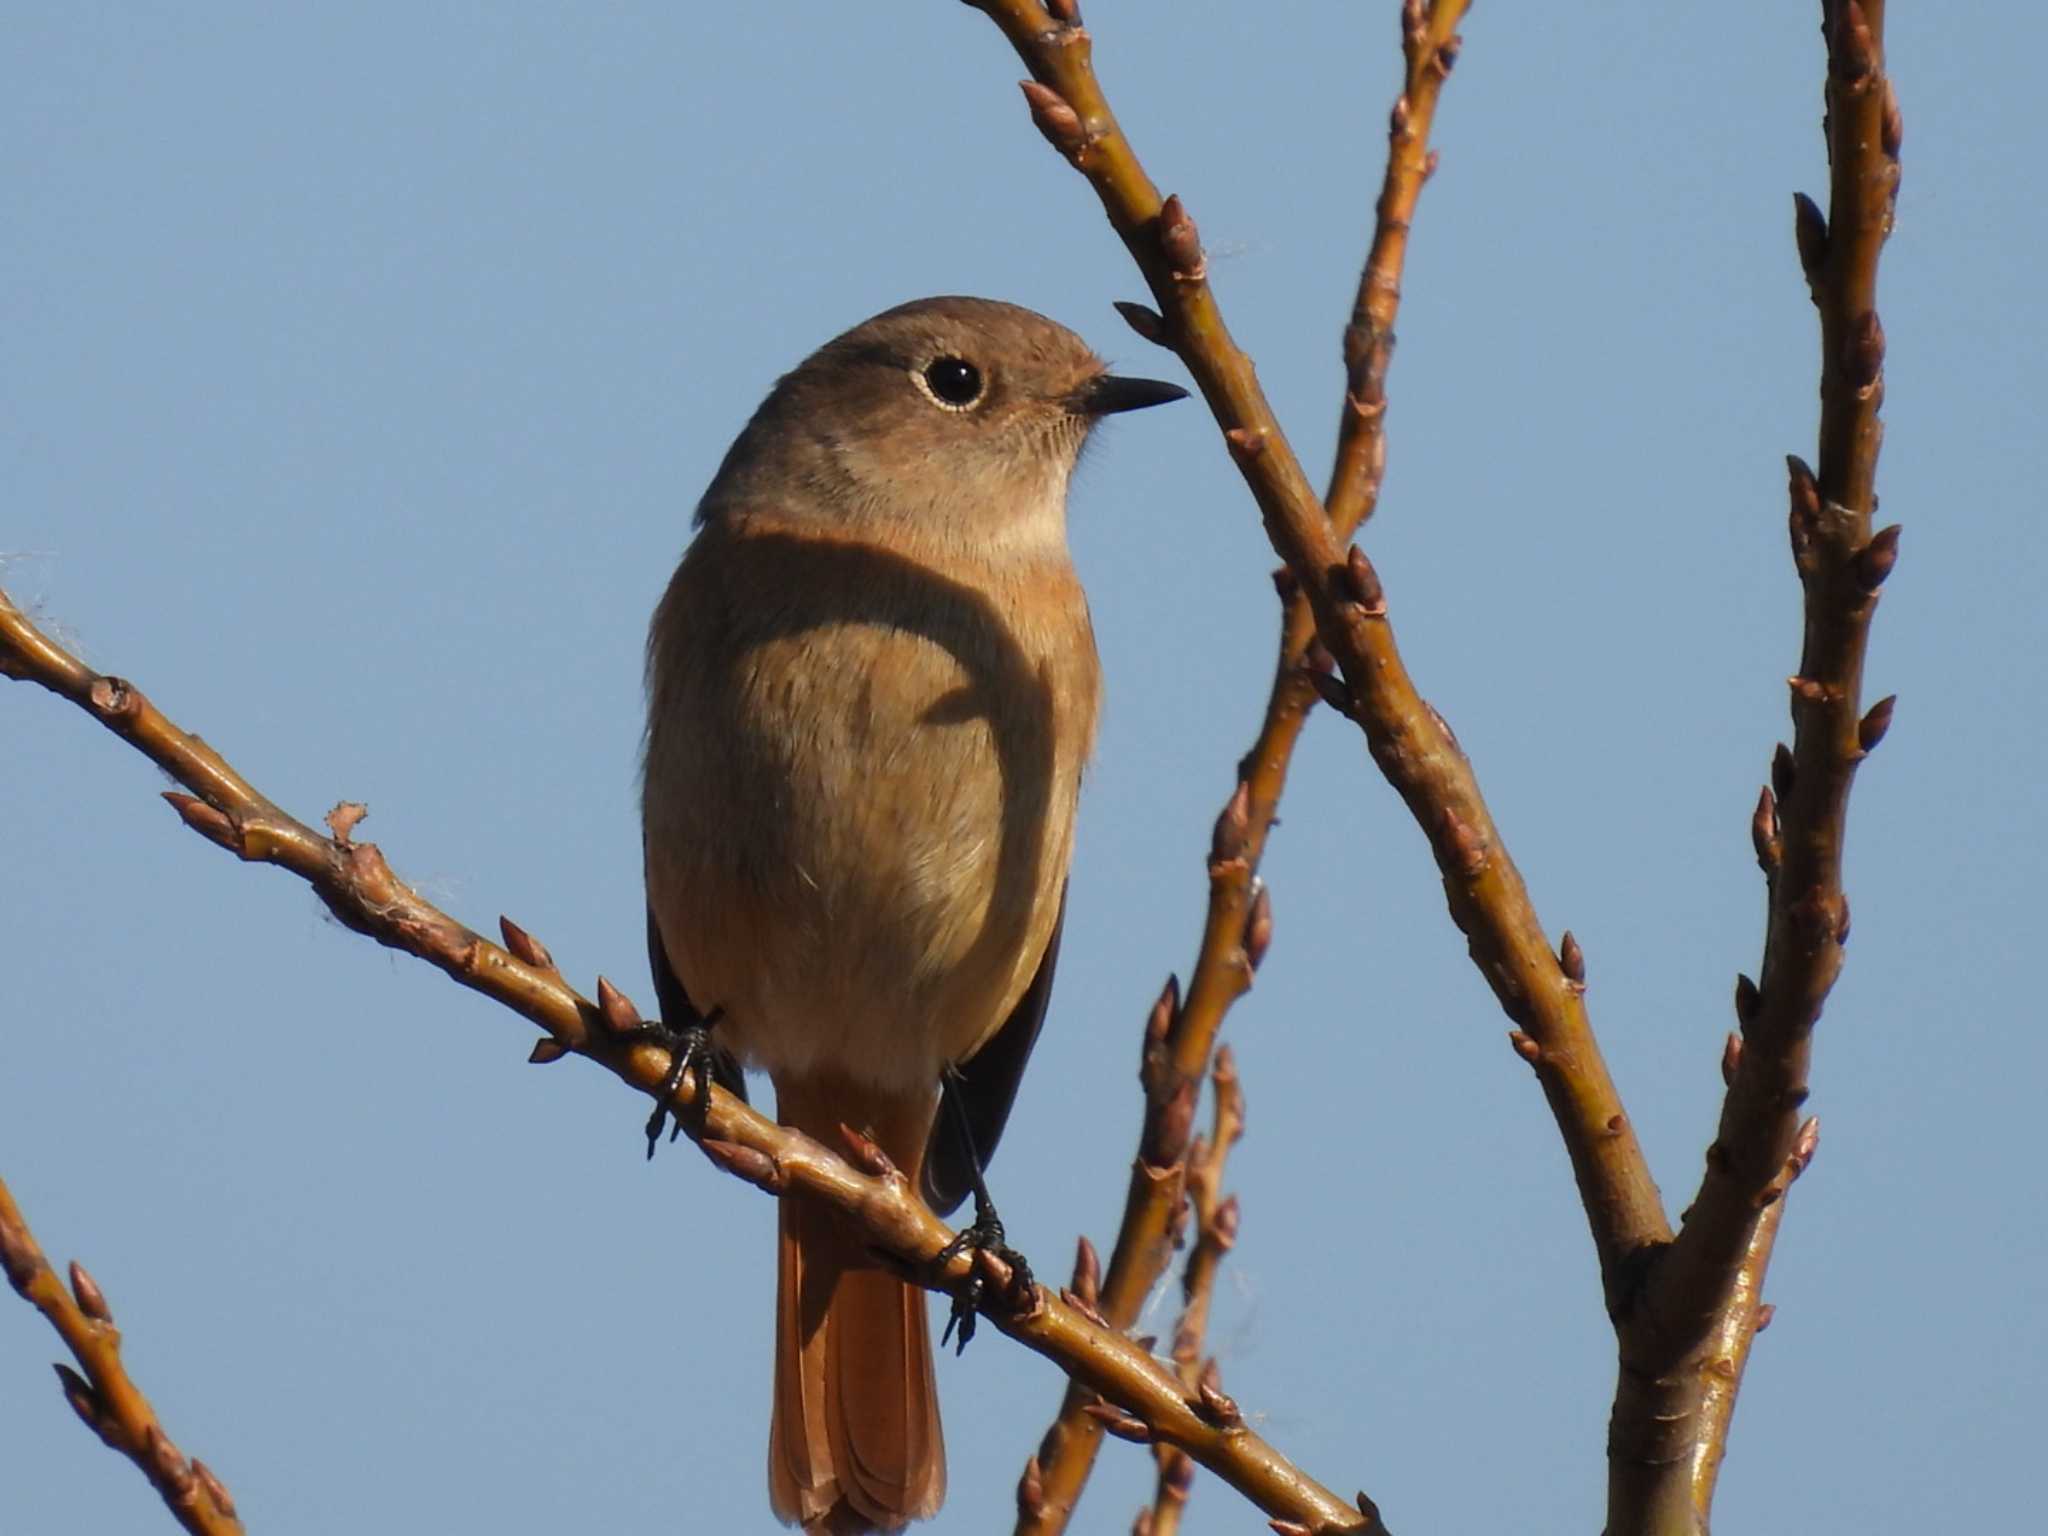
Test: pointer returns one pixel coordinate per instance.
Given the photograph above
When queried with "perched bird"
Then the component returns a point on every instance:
(872, 687)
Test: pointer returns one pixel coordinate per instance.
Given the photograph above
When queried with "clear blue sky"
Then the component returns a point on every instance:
(363, 366)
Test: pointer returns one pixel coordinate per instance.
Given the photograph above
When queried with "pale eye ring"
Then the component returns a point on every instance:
(953, 383)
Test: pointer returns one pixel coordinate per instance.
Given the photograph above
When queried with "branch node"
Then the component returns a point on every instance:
(1571, 959)
(525, 947)
(1181, 243)
(92, 1300)
(1054, 118)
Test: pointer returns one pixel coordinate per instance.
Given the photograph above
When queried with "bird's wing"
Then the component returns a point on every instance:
(677, 1010)
(979, 1091)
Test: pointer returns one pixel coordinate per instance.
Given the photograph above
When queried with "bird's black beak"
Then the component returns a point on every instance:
(1106, 394)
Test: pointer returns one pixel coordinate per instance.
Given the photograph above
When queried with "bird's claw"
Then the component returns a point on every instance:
(982, 1235)
(691, 1055)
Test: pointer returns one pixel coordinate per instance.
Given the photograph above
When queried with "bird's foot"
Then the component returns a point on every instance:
(692, 1055)
(982, 1235)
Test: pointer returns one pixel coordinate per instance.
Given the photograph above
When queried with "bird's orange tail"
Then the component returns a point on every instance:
(854, 1444)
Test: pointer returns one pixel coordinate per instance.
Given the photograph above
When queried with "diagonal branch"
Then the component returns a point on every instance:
(1666, 1441)
(1408, 739)
(108, 1401)
(1182, 1036)
(1134, 1394)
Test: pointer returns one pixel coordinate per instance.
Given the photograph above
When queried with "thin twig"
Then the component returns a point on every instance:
(105, 1398)
(1134, 1392)
(1215, 1220)
(1723, 1248)
(1175, 1062)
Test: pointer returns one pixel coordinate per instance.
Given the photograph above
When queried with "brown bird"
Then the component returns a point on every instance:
(872, 687)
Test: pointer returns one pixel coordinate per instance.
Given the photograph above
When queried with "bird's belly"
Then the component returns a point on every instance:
(859, 848)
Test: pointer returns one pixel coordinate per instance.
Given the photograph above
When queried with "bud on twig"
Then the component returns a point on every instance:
(1874, 561)
(1871, 729)
(524, 946)
(1060, 123)
(1731, 1058)
(616, 1009)
(1781, 773)
(1181, 243)
(1749, 1001)
(1810, 230)
(1572, 960)
(546, 1049)
(1145, 320)
(1258, 927)
(91, 1300)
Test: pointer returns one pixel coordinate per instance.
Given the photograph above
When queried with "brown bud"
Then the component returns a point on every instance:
(1284, 583)
(1810, 230)
(84, 1401)
(167, 1463)
(1142, 1525)
(1842, 919)
(1765, 1311)
(202, 818)
(1461, 844)
(1525, 1047)
(1060, 123)
(1362, 582)
(1874, 561)
(1145, 320)
(546, 1049)
(524, 946)
(1808, 690)
(1175, 1123)
(1118, 1423)
(1805, 1144)
(1748, 1001)
(1892, 131)
(1031, 1491)
(1177, 1476)
(617, 1010)
(1232, 836)
(757, 1168)
(865, 1153)
(91, 1300)
(216, 1490)
(1413, 21)
(1430, 162)
(1085, 1305)
(1223, 1225)
(1397, 120)
(1870, 730)
(1087, 1269)
(1781, 773)
(1212, 1402)
(1258, 927)
(1066, 12)
(1446, 56)
(1316, 657)
(1571, 959)
(1863, 351)
(1731, 1057)
(1805, 514)
(1851, 52)
(1763, 832)
(1180, 242)
(1165, 1009)
(1245, 443)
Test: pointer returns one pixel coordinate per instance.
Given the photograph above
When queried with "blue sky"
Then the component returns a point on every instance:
(363, 368)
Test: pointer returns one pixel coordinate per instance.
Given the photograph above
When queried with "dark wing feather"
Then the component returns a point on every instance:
(677, 1010)
(980, 1090)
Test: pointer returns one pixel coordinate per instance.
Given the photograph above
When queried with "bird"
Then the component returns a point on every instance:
(872, 689)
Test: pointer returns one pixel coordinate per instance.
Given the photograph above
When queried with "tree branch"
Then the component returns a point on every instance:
(105, 1398)
(1697, 1294)
(1408, 739)
(1181, 1036)
(1215, 1219)
(1133, 1392)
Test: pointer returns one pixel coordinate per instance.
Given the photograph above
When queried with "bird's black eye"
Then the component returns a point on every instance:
(954, 382)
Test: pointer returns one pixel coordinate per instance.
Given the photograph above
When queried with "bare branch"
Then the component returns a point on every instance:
(1668, 1434)
(108, 1401)
(359, 886)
